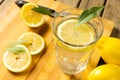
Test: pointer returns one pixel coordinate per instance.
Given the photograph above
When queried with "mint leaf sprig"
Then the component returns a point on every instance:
(86, 15)
(14, 48)
(89, 14)
(18, 42)
(42, 10)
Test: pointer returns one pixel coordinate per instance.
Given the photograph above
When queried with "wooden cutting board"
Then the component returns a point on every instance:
(43, 66)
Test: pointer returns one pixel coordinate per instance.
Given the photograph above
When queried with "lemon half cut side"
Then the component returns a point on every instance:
(30, 17)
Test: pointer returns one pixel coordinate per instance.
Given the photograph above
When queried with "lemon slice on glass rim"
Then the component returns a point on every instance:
(34, 42)
(17, 62)
(30, 17)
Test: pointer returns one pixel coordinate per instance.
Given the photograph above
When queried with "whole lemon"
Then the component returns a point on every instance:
(105, 72)
(110, 49)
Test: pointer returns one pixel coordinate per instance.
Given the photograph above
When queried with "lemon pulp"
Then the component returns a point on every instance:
(35, 43)
(17, 62)
(69, 32)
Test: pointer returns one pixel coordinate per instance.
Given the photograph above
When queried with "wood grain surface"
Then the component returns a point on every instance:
(90, 3)
(73, 3)
(44, 67)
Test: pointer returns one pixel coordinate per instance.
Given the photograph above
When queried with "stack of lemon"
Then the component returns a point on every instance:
(109, 51)
(18, 58)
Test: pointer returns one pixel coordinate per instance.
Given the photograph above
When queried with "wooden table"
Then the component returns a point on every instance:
(44, 66)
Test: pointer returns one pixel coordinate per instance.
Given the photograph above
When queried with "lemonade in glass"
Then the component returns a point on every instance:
(74, 43)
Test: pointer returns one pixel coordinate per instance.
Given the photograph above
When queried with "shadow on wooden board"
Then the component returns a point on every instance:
(1, 1)
(115, 33)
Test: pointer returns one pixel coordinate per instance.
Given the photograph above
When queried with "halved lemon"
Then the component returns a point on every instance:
(34, 42)
(17, 62)
(30, 17)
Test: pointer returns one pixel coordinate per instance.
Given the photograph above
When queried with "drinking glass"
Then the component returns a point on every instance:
(74, 43)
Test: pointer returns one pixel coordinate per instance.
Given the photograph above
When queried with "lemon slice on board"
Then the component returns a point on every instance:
(17, 62)
(34, 42)
(30, 17)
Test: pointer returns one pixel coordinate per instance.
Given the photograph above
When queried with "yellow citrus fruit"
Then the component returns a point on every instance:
(77, 35)
(34, 42)
(105, 72)
(30, 17)
(17, 62)
(110, 49)
(70, 33)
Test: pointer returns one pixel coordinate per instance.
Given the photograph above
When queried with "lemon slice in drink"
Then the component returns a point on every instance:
(75, 35)
(30, 17)
(34, 42)
(17, 62)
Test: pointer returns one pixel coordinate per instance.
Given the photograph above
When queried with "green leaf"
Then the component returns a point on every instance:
(42, 10)
(19, 42)
(12, 48)
(89, 14)
(15, 49)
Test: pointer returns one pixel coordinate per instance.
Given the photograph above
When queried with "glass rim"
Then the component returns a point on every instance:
(74, 45)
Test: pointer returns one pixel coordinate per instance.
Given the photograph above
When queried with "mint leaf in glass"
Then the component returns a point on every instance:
(89, 14)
